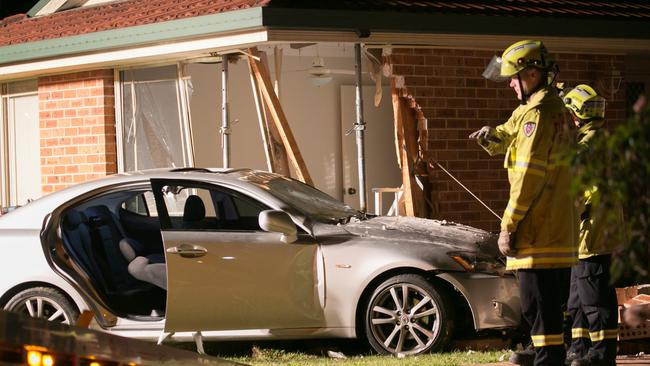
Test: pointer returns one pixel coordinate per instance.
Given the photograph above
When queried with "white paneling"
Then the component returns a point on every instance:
(382, 170)
(24, 149)
(313, 114)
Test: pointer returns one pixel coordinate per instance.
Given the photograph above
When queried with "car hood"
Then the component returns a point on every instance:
(412, 229)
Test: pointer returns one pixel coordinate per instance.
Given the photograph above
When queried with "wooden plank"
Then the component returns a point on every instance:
(412, 148)
(274, 151)
(280, 120)
(408, 150)
(400, 144)
(278, 150)
(263, 123)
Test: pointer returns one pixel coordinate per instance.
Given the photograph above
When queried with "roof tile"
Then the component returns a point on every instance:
(119, 14)
(126, 13)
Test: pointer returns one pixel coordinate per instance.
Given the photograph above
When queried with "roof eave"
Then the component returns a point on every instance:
(447, 23)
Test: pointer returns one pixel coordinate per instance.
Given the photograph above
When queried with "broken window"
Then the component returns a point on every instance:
(155, 126)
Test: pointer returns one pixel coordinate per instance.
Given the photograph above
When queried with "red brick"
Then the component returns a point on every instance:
(457, 103)
(452, 61)
(486, 93)
(414, 60)
(422, 70)
(70, 144)
(433, 60)
(454, 82)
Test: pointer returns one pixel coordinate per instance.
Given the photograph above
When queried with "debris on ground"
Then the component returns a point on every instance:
(335, 354)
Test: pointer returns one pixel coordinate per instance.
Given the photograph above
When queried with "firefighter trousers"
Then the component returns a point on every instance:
(543, 292)
(593, 309)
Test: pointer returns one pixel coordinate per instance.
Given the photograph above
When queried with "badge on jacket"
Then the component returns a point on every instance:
(529, 128)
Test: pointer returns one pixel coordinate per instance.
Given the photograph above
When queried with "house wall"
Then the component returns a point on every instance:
(77, 128)
(457, 100)
(313, 112)
(78, 123)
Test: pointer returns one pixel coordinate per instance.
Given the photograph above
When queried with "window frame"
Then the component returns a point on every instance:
(185, 125)
(163, 214)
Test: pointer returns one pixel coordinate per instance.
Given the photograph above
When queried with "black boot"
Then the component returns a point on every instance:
(525, 357)
(571, 356)
(592, 361)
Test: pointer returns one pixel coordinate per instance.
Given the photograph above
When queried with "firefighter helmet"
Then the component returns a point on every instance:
(585, 102)
(524, 54)
(517, 57)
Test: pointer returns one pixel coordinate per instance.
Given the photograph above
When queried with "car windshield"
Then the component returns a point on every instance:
(313, 203)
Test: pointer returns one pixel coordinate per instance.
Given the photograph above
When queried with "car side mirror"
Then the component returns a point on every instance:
(276, 221)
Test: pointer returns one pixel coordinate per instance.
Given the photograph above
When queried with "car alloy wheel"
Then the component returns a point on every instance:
(406, 315)
(43, 303)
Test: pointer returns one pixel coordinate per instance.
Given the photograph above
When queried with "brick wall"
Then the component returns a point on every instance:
(457, 100)
(77, 123)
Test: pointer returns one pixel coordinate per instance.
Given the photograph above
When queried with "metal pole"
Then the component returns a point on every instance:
(225, 121)
(359, 127)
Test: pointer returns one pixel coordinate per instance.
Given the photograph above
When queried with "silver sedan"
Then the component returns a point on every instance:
(182, 254)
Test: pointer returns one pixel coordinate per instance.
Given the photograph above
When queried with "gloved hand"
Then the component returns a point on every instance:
(506, 243)
(485, 133)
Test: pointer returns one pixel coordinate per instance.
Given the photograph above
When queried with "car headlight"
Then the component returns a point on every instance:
(475, 262)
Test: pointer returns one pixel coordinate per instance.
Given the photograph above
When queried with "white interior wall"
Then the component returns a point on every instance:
(313, 114)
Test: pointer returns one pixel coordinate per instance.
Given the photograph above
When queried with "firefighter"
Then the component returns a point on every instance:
(592, 301)
(538, 228)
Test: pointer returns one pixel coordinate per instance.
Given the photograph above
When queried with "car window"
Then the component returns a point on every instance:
(203, 209)
(317, 205)
(143, 204)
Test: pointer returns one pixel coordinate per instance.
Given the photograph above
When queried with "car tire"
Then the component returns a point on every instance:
(425, 324)
(45, 303)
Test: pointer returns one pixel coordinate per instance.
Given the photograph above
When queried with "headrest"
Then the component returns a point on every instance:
(73, 219)
(194, 209)
(126, 247)
(99, 211)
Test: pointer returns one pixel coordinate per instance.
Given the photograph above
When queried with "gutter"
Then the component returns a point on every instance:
(160, 53)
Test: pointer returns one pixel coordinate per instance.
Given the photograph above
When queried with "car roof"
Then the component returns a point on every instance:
(25, 218)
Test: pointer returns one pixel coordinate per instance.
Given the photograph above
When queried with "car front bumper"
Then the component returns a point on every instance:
(493, 300)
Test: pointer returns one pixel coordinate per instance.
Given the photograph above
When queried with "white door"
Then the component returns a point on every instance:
(24, 149)
(381, 162)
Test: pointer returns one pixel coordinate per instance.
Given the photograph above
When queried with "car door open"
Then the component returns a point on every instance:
(224, 272)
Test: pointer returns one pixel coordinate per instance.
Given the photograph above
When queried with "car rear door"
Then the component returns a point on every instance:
(224, 272)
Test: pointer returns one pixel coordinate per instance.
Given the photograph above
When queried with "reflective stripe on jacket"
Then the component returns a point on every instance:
(540, 211)
(596, 237)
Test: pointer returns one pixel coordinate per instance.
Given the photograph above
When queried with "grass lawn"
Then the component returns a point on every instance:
(320, 352)
(263, 356)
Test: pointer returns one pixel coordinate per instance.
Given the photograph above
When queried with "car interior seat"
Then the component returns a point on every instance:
(106, 235)
(123, 290)
(76, 235)
(193, 212)
(151, 268)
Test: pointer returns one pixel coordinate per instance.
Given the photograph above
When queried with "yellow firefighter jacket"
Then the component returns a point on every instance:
(540, 212)
(596, 237)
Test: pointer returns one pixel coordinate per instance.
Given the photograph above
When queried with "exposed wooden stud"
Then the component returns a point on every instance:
(407, 147)
(277, 63)
(407, 182)
(263, 122)
(279, 156)
(280, 120)
(409, 124)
